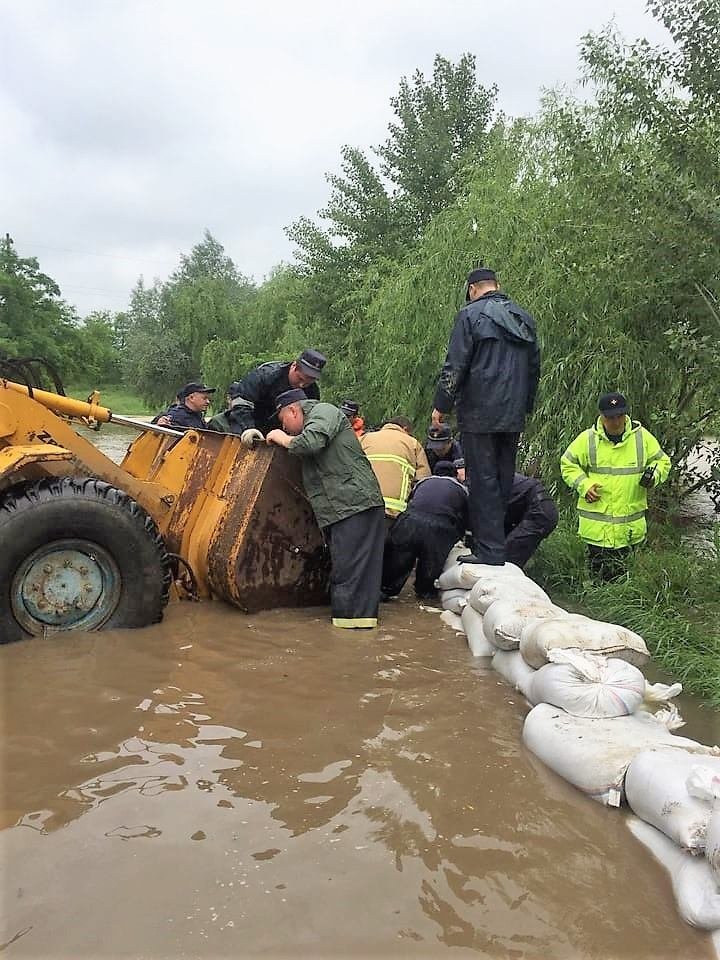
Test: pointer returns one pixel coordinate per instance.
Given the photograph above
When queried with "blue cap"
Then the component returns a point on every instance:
(290, 396)
(311, 362)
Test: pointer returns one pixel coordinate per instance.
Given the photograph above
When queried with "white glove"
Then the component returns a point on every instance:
(249, 438)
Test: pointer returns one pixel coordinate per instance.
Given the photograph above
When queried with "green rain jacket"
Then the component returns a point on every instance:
(337, 476)
(617, 519)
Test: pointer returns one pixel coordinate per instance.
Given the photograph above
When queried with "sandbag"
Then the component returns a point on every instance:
(466, 575)
(472, 622)
(712, 844)
(696, 893)
(594, 755)
(515, 589)
(453, 600)
(452, 620)
(580, 633)
(457, 551)
(586, 685)
(657, 792)
(503, 621)
(511, 667)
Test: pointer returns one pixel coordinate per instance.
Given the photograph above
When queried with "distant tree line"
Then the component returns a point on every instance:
(601, 216)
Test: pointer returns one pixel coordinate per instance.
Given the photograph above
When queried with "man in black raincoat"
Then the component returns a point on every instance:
(490, 374)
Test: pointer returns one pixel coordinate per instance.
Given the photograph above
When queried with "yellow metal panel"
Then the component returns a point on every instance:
(15, 458)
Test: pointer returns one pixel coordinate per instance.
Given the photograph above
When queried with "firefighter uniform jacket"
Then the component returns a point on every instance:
(398, 460)
(617, 519)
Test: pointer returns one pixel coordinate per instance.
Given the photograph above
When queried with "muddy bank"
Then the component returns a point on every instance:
(220, 785)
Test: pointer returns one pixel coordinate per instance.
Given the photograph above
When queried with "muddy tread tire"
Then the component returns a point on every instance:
(33, 515)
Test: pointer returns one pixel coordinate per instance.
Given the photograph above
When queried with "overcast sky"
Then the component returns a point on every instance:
(129, 126)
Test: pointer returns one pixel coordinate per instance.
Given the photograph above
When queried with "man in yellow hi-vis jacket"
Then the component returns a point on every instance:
(612, 465)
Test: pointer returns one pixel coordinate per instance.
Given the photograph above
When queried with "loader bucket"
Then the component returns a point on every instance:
(240, 518)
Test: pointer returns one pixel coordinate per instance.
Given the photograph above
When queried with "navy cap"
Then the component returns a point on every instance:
(189, 388)
(481, 275)
(439, 436)
(350, 408)
(290, 396)
(311, 363)
(612, 404)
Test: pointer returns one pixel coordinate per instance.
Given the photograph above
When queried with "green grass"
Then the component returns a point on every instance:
(670, 596)
(116, 397)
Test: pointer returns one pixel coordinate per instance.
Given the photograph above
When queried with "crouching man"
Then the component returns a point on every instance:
(435, 519)
(345, 498)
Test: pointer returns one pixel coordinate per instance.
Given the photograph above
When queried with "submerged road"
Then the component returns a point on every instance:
(222, 785)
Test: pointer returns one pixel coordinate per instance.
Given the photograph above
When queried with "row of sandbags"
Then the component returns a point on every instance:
(597, 722)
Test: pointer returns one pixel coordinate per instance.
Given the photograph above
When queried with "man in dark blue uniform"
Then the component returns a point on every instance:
(252, 412)
(531, 515)
(491, 374)
(435, 519)
(187, 413)
(441, 445)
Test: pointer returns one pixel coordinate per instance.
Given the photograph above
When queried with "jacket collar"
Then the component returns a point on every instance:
(630, 427)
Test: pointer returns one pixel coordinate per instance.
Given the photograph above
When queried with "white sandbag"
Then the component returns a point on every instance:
(594, 755)
(457, 551)
(511, 667)
(657, 792)
(472, 622)
(452, 620)
(453, 600)
(503, 621)
(586, 685)
(581, 633)
(466, 575)
(486, 592)
(712, 844)
(696, 894)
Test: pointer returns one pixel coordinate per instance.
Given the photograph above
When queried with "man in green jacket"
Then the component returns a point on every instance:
(612, 465)
(345, 498)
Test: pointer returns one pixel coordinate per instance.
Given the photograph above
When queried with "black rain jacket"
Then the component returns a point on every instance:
(492, 367)
(255, 396)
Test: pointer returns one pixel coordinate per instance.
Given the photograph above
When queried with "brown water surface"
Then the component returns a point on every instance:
(225, 786)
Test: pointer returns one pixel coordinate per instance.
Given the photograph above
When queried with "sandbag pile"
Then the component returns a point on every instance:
(597, 722)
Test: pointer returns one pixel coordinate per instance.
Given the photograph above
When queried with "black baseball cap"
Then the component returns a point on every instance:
(612, 404)
(189, 388)
(290, 396)
(439, 437)
(481, 275)
(311, 362)
(350, 408)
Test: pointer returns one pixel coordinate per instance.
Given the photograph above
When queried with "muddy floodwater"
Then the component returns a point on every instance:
(221, 785)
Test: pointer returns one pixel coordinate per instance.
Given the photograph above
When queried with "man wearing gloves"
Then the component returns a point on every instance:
(611, 466)
(491, 375)
(345, 498)
(252, 400)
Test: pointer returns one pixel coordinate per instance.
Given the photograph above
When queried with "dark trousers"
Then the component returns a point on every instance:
(417, 538)
(538, 522)
(490, 466)
(607, 564)
(356, 559)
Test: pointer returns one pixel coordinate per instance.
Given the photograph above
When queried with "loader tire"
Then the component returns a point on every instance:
(78, 554)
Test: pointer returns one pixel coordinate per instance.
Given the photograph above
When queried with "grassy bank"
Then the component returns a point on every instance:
(670, 596)
(116, 397)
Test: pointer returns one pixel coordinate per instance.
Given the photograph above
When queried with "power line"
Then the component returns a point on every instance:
(89, 253)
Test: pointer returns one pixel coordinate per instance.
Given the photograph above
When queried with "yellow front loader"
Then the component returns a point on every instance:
(86, 543)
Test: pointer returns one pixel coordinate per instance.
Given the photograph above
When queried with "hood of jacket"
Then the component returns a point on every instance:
(514, 322)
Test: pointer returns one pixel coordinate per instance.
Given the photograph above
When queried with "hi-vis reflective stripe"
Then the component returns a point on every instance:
(408, 472)
(616, 471)
(656, 456)
(606, 518)
(571, 457)
(350, 622)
